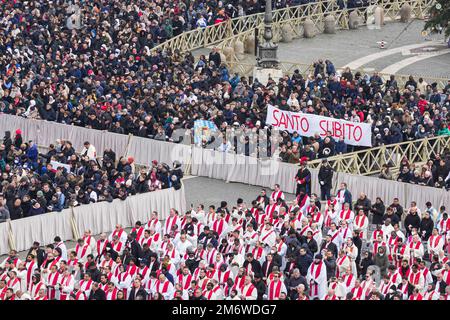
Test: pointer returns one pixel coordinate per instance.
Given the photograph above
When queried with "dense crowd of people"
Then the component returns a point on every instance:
(105, 76)
(33, 183)
(435, 173)
(270, 249)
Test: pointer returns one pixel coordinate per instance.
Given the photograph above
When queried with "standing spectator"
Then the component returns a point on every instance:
(381, 260)
(325, 180)
(377, 210)
(426, 227)
(214, 56)
(412, 221)
(303, 179)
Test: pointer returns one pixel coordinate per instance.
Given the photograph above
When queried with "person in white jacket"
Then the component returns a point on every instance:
(89, 151)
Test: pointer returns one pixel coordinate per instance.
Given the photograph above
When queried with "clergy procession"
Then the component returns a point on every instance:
(269, 249)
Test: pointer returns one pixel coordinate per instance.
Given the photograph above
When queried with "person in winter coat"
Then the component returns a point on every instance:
(330, 263)
(378, 211)
(7, 141)
(381, 260)
(363, 203)
(426, 227)
(412, 220)
(303, 262)
(18, 139)
(325, 180)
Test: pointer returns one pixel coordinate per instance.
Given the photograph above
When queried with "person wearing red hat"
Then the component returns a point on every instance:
(303, 178)
(18, 139)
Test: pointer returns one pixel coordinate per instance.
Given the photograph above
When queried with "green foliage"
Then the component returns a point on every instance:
(439, 17)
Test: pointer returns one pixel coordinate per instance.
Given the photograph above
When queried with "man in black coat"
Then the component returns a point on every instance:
(330, 263)
(256, 266)
(325, 180)
(303, 261)
(37, 252)
(133, 245)
(94, 272)
(328, 244)
(293, 282)
(412, 221)
(137, 292)
(358, 243)
(260, 286)
(214, 56)
(97, 293)
(268, 265)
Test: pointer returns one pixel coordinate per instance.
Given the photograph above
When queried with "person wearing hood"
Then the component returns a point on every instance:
(381, 260)
(7, 141)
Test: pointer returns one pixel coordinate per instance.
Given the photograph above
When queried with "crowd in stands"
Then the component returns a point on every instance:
(33, 183)
(271, 249)
(434, 173)
(104, 76)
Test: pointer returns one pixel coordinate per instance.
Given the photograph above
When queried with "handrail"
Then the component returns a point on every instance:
(288, 67)
(204, 37)
(370, 161)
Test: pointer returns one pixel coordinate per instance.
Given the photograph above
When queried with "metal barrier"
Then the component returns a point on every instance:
(288, 67)
(370, 161)
(293, 16)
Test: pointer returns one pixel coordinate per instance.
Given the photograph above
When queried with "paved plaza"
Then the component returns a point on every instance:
(406, 52)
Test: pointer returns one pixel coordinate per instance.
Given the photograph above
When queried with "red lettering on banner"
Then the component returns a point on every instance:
(360, 133)
(275, 111)
(295, 119)
(349, 130)
(304, 124)
(283, 120)
(289, 122)
(324, 130)
(338, 129)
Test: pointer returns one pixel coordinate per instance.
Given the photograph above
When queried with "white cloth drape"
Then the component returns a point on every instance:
(98, 217)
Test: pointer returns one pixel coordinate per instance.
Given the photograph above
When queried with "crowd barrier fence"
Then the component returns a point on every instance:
(100, 217)
(266, 173)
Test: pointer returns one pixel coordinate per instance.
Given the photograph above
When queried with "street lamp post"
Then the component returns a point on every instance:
(267, 53)
(267, 60)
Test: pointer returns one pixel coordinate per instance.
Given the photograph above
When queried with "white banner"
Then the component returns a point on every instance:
(355, 133)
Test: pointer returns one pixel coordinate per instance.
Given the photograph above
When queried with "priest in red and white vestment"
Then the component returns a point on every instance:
(164, 287)
(248, 291)
(51, 281)
(100, 248)
(83, 250)
(66, 285)
(436, 243)
(154, 223)
(317, 278)
(268, 236)
(349, 279)
(171, 221)
(86, 284)
(220, 226)
(35, 285)
(416, 249)
(275, 288)
(184, 279)
(343, 262)
(277, 193)
(30, 265)
(361, 224)
(431, 293)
